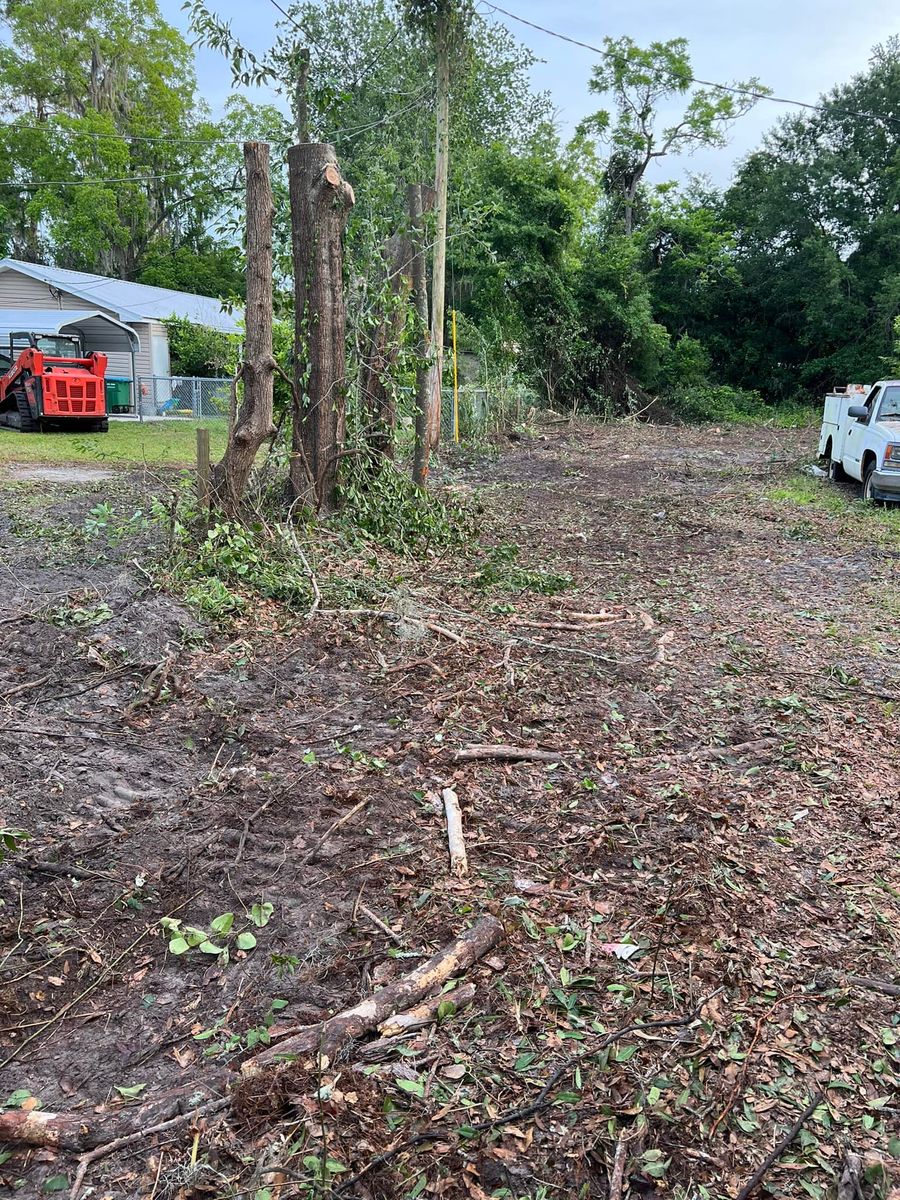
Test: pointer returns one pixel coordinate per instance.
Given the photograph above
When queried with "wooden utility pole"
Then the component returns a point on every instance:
(253, 423)
(424, 392)
(301, 95)
(441, 176)
(320, 201)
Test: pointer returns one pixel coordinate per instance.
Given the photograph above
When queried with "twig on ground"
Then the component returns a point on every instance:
(57, 1016)
(377, 921)
(73, 872)
(311, 854)
(26, 687)
(739, 1082)
(248, 822)
(445, 632)
(773, 1156)
(129, 1139)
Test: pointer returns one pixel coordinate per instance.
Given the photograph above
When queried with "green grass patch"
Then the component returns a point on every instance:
(128, 443)
(872, 523)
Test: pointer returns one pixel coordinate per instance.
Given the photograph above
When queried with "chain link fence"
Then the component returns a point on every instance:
(184, 396)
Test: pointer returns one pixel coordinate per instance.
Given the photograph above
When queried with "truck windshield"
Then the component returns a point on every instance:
(890, 404)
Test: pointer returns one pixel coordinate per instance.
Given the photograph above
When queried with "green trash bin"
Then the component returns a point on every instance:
(118, 394)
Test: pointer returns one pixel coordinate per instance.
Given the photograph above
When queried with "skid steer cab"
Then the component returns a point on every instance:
(48, 382)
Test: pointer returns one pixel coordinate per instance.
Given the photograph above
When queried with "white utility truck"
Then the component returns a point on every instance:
(860, 437)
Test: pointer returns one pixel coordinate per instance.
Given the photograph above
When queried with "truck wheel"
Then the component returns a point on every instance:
(836, 472)
(868, 485)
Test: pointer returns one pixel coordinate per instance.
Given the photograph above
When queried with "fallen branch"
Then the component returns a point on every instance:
(26, 687)
(80, 1132)
(569, 626)
(330, 830)
(327, 1037)
(427, 1012)
(543, 1099)
(742, 1073)
(617, 1177)
(129, 1139)
(874, 985)
(459, 864)
(507, 753)
(773, 1156)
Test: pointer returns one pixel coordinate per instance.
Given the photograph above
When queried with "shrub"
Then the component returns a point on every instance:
(715, 402)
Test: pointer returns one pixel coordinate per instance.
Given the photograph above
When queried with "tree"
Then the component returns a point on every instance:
(320, 201)
(106, 148)
(641, 82)
(253, 424)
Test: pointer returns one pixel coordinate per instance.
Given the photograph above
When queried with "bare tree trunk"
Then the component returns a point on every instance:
(420, 299)
(253, 424)
(441, 175)
(320, 201)
(381, 347)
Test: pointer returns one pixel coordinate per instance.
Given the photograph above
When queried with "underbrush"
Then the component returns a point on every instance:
(387, 508)
(705, 403)
(352, 558)
(501, 569)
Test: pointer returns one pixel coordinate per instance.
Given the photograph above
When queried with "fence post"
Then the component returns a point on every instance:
(204, 491)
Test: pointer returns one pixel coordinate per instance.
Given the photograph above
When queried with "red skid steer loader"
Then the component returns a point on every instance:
(50, 383)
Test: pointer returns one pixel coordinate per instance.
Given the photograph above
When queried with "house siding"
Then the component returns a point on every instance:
(21, 291)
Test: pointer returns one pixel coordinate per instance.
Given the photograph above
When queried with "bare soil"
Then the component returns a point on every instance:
(726, 801)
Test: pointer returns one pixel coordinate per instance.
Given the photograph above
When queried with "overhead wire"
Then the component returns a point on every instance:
(734, 88)
(40, 183)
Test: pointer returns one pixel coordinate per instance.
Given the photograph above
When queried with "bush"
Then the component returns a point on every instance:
(715, 402)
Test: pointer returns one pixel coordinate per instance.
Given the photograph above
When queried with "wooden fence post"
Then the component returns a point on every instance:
(204, 488)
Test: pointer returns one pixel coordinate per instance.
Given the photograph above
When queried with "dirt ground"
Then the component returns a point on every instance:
(706, 637)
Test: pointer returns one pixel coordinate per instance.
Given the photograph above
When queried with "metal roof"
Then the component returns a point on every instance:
(132, 301)
(98, 330)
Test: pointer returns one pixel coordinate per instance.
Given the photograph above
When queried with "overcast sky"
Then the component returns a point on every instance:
(798, 48)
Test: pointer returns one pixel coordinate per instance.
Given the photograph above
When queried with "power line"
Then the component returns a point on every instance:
(735, 89)
(23, 187)
(128, 137)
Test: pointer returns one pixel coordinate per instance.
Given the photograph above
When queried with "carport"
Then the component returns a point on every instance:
(98, 332)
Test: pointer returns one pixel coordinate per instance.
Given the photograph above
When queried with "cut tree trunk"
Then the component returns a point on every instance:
(253, 424)
(320, 201)
(381, 347)
(329, 1036)
(415, 211)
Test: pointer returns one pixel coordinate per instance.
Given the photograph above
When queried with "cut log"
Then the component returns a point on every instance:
(508, 753)
(459, 864)
(327, 1037)
(426, 1012)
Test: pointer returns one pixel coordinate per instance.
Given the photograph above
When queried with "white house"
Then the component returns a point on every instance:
(28, 286)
